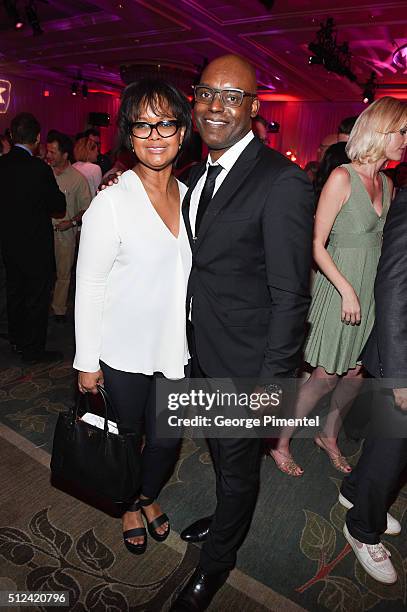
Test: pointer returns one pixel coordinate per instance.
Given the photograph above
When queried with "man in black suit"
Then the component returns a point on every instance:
(374, 482)
(249, 217)
(30, 196)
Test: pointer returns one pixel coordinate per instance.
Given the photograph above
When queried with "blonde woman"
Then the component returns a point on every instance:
(85, 153)
(348, 230)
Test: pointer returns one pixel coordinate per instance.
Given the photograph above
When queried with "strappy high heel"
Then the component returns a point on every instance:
(135, 549)
(288, 465)
(336, 458)
(155, 523)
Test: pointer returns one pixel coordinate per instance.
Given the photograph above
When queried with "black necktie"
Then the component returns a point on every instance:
(206, 194)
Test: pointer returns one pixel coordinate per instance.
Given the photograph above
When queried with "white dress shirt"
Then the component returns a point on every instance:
(227, 161)
(131, 285)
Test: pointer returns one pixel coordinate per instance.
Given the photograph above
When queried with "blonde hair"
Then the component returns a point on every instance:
(371, 133)
(83, 147)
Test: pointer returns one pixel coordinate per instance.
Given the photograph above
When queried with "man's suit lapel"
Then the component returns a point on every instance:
(235, 178)
(198, 172)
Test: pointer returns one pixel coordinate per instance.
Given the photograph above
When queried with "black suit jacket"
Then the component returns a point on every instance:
(385, 354)
(251, 267)
(29, 196)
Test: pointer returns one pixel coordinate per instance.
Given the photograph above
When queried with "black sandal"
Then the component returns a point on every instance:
(135, 549)
(155, 523)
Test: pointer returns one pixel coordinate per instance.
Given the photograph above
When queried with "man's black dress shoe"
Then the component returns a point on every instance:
(199, 591)
(198, 531)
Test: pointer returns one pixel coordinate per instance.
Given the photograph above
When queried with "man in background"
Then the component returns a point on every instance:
(260, 129)
(373, 485)
(345, 127)
(30, 197)
(103, 161)
(77, 193)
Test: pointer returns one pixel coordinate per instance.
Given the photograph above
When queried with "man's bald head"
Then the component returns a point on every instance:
(233, 66)
(222, 125)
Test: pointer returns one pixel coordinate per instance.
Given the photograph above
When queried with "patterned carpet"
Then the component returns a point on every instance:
(294, 558)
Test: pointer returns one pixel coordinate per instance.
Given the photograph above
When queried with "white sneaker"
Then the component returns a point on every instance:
(374, 558)
(393, 526)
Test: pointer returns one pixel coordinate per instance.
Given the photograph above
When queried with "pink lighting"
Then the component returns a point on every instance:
(46, 93)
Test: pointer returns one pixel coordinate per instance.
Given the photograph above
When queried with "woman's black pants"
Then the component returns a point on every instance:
(134, 400)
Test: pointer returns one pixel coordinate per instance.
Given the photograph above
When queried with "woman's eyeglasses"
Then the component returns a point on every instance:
(165, 129)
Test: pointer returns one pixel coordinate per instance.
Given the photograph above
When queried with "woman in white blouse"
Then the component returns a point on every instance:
(132, 273)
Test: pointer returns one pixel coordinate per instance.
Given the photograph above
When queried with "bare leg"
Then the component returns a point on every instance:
(152, 511)
(345, 393)
(132, 520)
(319, 384)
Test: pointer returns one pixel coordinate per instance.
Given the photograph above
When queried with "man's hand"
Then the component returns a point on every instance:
(109, 180)
(400, 398)
(87, 381)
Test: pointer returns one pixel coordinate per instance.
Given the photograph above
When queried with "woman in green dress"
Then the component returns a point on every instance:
(348, 230)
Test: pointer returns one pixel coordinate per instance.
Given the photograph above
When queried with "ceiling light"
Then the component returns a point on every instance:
(326, 51)
(369, 90)
(74, 89)
(13, 13)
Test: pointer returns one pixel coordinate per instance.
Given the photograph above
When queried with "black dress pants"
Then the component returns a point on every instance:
(133, 397)
(373, 485)
(28, 298)
(236, 463)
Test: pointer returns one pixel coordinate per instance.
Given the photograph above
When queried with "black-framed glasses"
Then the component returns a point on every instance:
(165, 129)
(230, 96)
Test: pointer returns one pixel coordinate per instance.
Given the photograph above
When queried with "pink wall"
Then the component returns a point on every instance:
(303, 124)
(60, 110)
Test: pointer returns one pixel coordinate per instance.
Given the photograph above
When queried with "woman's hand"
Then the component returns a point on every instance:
(350, 307)
(87, 381)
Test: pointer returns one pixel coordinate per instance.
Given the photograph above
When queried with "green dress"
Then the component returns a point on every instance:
(354, 244)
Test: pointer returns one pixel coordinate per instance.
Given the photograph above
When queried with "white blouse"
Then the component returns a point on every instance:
(131, 284)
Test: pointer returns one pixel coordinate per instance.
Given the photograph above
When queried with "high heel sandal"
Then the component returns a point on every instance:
(135, 549)
(288, 465)
(155, 523)
(336, 458)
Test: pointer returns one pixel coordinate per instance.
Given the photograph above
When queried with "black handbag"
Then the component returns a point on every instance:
(96, 460)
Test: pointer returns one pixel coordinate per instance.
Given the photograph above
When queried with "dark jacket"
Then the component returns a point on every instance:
(251, 267)
(385, 354)
(29, 197)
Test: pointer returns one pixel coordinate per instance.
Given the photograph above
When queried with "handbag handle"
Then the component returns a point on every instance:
(106, 403)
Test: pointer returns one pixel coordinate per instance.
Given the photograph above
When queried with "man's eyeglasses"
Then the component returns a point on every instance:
(165, 129)
(228, 96)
